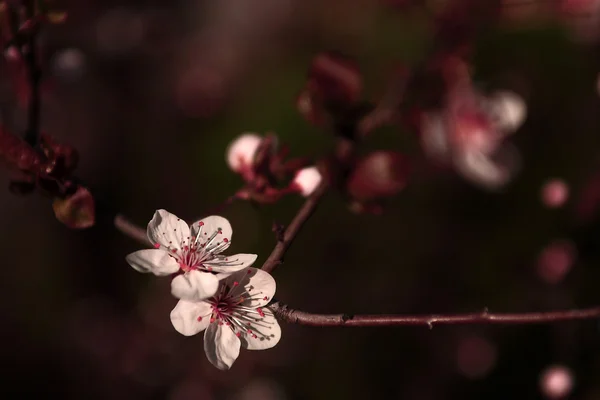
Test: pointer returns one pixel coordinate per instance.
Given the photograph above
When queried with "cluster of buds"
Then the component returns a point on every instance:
(49, 171)
(332, 97)
(262, 163)
(332, 94)
(469, 132)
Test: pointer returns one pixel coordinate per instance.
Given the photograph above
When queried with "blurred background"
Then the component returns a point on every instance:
(151, 93)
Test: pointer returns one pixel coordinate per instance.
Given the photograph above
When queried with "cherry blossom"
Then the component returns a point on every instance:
(193, 252)
(469, 134)
(236, 316)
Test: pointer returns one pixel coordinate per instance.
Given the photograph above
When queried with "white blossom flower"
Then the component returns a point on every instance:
(240, 153)
(193, 251)
(234, 317)
(469, 134)
(306, 180)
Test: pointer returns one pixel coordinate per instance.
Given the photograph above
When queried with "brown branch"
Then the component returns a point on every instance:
(309, 206)
(284, 313)
(131, 230)
(35, 77)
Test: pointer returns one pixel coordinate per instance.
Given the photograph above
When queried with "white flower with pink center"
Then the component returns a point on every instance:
(194, 252)
(469, 134)
(236, 316)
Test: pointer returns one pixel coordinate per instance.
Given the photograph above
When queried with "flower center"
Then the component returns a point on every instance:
(194, 252)
(231, 306)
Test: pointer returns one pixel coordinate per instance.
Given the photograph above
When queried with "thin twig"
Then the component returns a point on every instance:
(130, 229)
(35, 76)
(309, 206)
(290, 315)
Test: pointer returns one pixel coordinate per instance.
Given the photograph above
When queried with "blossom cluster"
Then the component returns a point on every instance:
(218, 294)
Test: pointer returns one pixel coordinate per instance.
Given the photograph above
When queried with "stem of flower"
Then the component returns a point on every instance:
(284, 313)
(130, 229)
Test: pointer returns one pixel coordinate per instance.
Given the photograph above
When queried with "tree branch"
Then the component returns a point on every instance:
(284, 313)
(307, 209)
(35, 76)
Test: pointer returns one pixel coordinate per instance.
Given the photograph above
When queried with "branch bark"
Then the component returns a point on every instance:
(284, 313)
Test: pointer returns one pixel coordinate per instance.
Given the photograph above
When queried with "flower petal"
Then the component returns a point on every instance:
(259, 285)
(434, 137)
(221, 345)
(210, 225)
(194, 286)
(230, 264)
(189, 318)
(267, 331)
(156, 261)
(482, 170)
(167, 230)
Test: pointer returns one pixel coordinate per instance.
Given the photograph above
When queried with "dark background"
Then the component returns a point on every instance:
(151, 92)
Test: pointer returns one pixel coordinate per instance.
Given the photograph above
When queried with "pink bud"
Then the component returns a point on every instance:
(240, 153)
(556, 382)
(555, 193)
(307, 180)
(76, 211)
(336, 78)
(380, 174)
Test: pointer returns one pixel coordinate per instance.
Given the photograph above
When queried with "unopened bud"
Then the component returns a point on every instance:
(307, 180)
(76, 211)
(240, 153)
(508, 109)
(380, 174)
(336, 78)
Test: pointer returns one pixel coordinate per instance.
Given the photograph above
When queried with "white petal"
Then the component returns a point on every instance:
(194, 286)
(307, 180)
(221, 345)
(232, 263)
(256, 282)
(210, 225)
(482, 170)
(167, 230)
(156, 261)
(509, 109)
(267, 331)
(434, 136)
(189, 318)
(240, 152)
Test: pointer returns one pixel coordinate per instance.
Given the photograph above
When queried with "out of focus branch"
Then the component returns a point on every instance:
(35, 76)
(284, 313)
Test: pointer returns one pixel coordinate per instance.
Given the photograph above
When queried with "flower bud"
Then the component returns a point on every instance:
(240, 153)
(508, 109)
(335, 78)
(307, 180)
(379, 174)
(76, 211)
